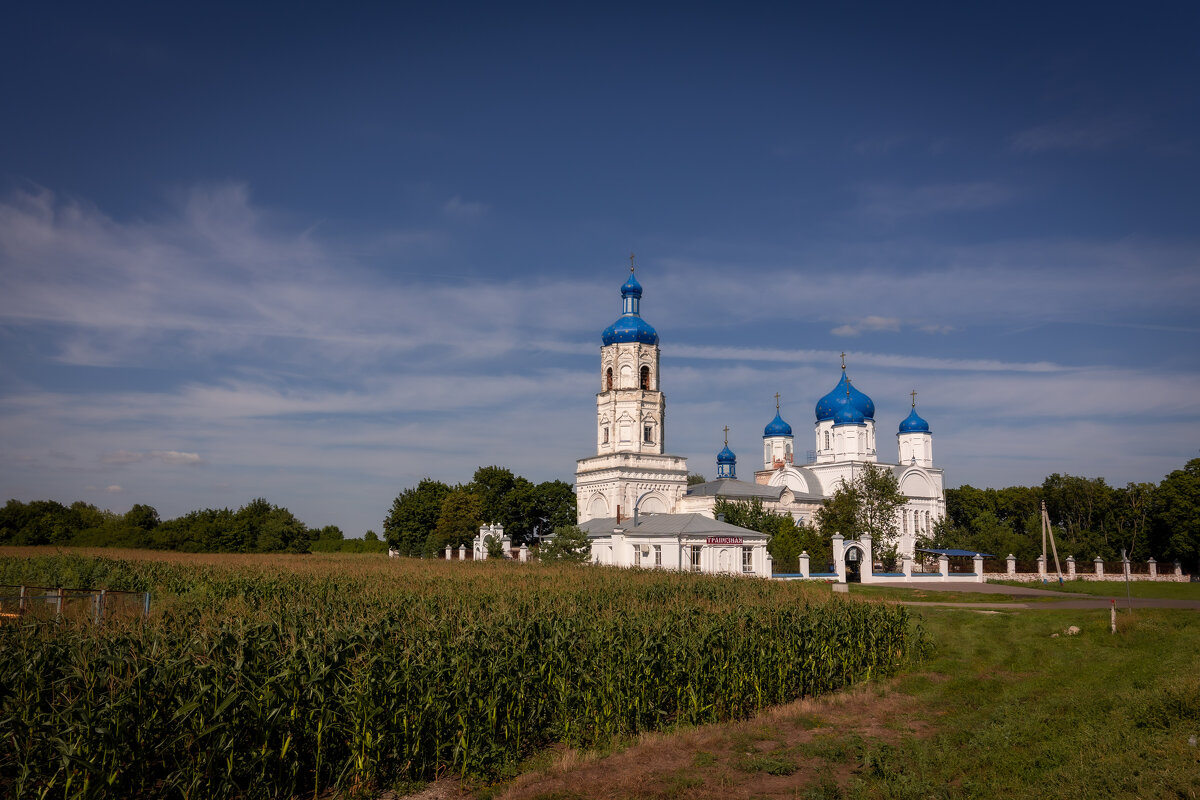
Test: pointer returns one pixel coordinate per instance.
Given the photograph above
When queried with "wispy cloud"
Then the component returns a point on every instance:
(272, 361)
(868, 324)
(1092, 136)
(893, 202)
(171, 457)
(464, 209)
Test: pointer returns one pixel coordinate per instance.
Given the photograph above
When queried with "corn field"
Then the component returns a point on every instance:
(282, 677)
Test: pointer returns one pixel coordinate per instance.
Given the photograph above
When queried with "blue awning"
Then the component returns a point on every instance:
(955, 552)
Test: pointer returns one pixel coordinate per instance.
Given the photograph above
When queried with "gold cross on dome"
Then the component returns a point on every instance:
(914, 397)
(843, 359)
(777, 402)
(727, 436)
(631, 261)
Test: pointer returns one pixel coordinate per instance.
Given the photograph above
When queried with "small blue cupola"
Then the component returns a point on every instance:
(630, 327)
(777, 427)
(913, 422)
(726, 460)
(844, 392)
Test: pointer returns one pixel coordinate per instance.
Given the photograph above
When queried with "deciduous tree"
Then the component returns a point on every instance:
(414, 516)
(569, 543)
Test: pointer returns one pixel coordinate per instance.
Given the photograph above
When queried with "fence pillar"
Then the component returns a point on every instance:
(804, 570)
(59, 593)
(1042, 568)
(21, 601)
(98, 607)
(449, 552)
(944, 566)
(462, 552)
(1099, 562)
(1012, 564)
(1178, 568)
(1071, 568)
(906, 562)
(978, 567)
(1153, 568)
(523, 553)
(839, 557)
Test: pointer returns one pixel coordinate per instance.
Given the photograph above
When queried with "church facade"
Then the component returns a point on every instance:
(632, 481)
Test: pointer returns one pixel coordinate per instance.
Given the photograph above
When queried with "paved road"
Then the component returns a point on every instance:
(1062, 600)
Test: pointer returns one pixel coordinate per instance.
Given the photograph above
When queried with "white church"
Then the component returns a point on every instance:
(634, 500)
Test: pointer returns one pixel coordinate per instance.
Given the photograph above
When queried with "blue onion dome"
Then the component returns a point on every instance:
(777, 427)
(848, 414)
(913, 423)
(726, 456)
(827, 406)
(630, 327)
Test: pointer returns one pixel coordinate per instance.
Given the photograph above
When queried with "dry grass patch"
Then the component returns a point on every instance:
(781, 752)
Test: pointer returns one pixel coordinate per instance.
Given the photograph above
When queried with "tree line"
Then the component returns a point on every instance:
(427, 517)
(257, 527)
(1089, 517)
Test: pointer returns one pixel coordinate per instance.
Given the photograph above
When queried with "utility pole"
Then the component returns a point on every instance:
(1054, 547)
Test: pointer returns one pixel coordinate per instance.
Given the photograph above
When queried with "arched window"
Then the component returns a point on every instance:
(608, 380)
(826, 440)
(645, 378)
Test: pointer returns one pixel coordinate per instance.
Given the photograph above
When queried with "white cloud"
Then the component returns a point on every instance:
(176, 457)
(113, 489)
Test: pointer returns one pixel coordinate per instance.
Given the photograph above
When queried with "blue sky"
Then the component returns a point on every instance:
(316, 254)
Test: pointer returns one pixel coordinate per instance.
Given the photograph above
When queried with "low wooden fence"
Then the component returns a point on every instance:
(95, 604)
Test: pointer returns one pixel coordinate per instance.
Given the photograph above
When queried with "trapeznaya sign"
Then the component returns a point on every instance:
(723, 540)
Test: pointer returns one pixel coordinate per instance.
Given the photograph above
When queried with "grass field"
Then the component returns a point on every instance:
(903, 594)
(1171, 590)
(1003, 710)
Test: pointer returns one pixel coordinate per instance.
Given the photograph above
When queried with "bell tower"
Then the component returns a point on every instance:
(630, 409)
(630, 423)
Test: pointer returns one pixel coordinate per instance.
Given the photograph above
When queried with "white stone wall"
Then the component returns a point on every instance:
(845, 442)
(777, 450)
(916, 447)
(622, 549)
(604, 482)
